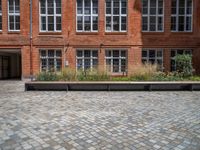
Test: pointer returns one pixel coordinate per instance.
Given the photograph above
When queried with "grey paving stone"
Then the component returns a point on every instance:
(98, 120)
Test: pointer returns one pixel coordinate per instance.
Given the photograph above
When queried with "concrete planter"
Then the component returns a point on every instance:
(112, 86)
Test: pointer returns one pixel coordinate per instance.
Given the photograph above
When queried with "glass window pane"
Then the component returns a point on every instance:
(87, 53)
(80, 23)
(79, 53)
(95, 23)
(144, 53)
(58, 53)
(50, 53)
(108, 23)
(116, 23)
(115, 53)
(43, 23)
(50, 23)
(94, 53)
(152, 53)
(87, 23)
(115, 65)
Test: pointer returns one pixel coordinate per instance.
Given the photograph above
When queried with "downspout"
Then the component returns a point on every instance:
(31, 41)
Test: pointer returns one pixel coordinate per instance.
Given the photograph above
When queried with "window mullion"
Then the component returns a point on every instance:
(111, 15)
(91, 15)
(177, 15)
(185, 16)
(120, 20)
(157, 15)
(54, 5)
(148, 24)
(46, 11)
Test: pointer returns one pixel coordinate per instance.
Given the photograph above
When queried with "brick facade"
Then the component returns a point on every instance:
(69, 40)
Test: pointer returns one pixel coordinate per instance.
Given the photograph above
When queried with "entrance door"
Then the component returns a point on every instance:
(4, 67)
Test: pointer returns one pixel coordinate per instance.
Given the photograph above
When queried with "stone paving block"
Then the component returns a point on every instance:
(98, 120)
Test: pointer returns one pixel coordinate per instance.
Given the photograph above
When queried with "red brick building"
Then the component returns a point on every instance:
(117, 35)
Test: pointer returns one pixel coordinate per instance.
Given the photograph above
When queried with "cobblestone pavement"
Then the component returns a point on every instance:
(98, 120)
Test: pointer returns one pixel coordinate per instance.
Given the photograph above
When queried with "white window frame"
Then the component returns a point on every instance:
(120, 16)
(120, 58)
(14, 14)
(157, 15)
(156, 56)
(46, 15)
(176, 53)
(83, 58)
(1, 15)
(185, 16)
(46, 57)
(83, 15)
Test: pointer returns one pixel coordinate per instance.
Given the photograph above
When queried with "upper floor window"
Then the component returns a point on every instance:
(153, 56)
(174, 53)
(13, 15)
(0, 17)
(87, 16)
(152, 15)
(116, 61)
(116, 15)
(50, 15)
(86, 59)
(181, 17)
(50, 60)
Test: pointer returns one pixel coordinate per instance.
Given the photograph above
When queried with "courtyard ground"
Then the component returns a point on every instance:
(98, 120)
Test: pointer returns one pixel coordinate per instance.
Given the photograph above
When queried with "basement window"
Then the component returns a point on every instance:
(50, 15)
(50, 60)
(86, 59)
(116, 61)
(175, 52)
(153, 56)
(13, 15)
(116, 15)
(181, 16)
(152, 15)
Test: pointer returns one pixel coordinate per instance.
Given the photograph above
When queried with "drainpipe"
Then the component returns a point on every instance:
(31, 41)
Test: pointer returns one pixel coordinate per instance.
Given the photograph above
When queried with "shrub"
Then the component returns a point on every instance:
(92, 75)
(184, 65)
(144, 72)
(68, 74)
(47, 76)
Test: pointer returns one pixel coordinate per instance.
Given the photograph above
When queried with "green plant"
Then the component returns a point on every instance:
(68, 74)
(47, 76)
(92, 75)
(195, 78)
(184, 65)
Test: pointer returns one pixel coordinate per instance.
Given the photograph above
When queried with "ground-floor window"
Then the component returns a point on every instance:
(50, 60)
(175, 52)
(153, 56)
(116, 61)
(86, 59)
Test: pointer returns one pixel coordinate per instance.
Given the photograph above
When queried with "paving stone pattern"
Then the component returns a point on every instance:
(98, 120)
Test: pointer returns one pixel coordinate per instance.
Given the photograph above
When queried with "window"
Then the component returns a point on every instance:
(153, 56)
(50, 15)
(175, 52)
(116, 61)
(152, 15)
(181, 17)
(50, 60)
(86, 59)
(87, 16)
(13, 15)
(0, 17)
(116, 15)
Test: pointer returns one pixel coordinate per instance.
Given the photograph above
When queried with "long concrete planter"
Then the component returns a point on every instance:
(112, 86)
